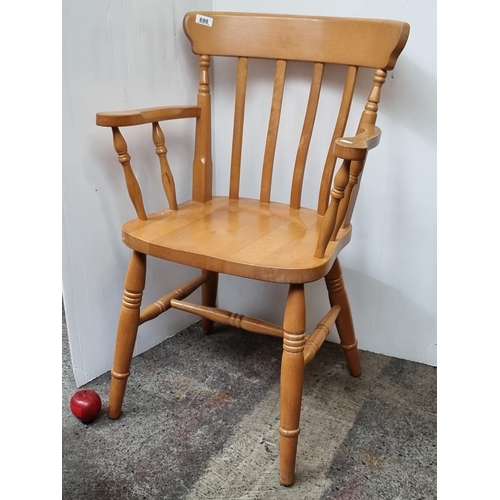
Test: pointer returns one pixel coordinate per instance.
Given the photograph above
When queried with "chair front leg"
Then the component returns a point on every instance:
(209, 298)
(292, 378)
(345, 326)
(127, 331)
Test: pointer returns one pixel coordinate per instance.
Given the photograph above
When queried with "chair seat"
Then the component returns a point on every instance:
(244, 237)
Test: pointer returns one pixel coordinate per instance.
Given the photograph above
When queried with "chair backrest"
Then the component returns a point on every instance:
(353, 43)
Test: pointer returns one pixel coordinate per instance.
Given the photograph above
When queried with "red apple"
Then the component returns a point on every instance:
(85, 405)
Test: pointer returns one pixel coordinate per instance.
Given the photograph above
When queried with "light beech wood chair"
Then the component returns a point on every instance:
(258, 238)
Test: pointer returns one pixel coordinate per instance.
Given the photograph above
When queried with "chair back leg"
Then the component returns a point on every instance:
(345, 326)
(209, 298)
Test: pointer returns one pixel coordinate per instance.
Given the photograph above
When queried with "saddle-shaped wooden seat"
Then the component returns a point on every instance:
(244, 237)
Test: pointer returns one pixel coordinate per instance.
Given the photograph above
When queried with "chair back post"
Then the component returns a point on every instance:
(202, 164)
(368, 117)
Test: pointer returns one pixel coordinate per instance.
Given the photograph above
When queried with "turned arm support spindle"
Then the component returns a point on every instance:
(115, 119)
(328, 225)
(353, 151)
(354, 174)
(167, 178)
(133, 187)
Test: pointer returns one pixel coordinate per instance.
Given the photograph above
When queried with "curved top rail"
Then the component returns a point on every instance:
(374, 43)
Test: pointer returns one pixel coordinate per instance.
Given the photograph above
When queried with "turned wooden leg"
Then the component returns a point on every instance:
(209, 298)
(127, 331)
(292, 378)
(338, 295)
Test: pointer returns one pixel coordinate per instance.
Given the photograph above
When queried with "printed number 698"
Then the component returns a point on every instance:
(206, 21)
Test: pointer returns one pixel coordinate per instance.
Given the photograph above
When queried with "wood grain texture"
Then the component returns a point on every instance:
(272, 131)
(239, 117)
(244, 237)
(305, 138)
(357, 147)
(361, 42)
(146, 115)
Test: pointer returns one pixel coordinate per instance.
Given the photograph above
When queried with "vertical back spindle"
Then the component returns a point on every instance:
(239, 114)
(305, 138)
(272, 132)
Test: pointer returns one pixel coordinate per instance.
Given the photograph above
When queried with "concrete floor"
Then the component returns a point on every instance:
(200, 421)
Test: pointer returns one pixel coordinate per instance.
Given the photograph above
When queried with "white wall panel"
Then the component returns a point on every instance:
(119, 54)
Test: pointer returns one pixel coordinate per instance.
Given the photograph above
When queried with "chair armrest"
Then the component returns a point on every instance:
(355, 148)
(147, 115)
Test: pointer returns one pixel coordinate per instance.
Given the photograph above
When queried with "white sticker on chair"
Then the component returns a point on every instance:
(205, 20)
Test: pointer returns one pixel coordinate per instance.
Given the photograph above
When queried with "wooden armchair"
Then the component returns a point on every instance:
(258, 238)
